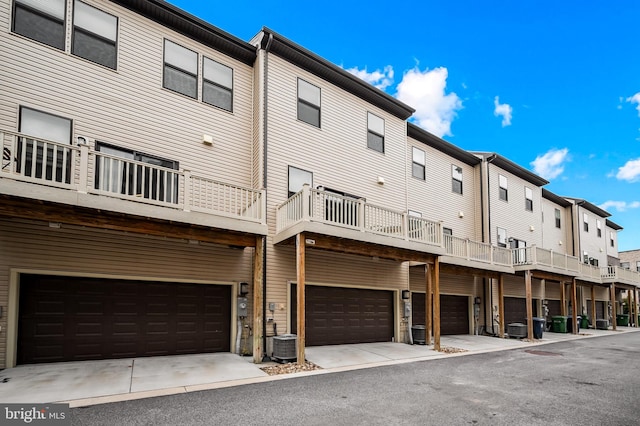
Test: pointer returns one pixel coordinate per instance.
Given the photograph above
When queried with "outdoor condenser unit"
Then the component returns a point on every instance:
(284, 348)
(517, 329)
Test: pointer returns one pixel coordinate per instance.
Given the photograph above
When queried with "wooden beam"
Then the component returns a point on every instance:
(612, 298)
(258, 297)
(563, 300)
(529, 303)
(574, 307)
(428, 302)
(436, 304)
(593, 306)
(300, 277)
(94, 218)
(467, 271)
(500, 305)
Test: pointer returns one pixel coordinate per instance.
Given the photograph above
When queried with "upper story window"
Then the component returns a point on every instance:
(502, 237)
(297, 178)
(418, 164)
(217, 84)
(585, 222)
(599, 228)
(626, 265)
(503, 195)
(375, 132)
(456, 179)
(557, 215)
(180, 69)
(45, 126)
(95, 34)
(40, 20)
(308, 103)
(612, 240)
(638, 265)
(528, 199)
(585, 257)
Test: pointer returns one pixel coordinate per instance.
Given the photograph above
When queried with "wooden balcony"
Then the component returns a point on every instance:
(616, 274)
(77, 175)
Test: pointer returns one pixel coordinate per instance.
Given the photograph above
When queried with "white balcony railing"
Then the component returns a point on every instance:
(476, 251)
(618, 274)
(79, 168)
(313, 205)
(534, 255)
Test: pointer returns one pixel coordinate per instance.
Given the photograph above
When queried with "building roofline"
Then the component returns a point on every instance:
(555, 198)
(421, 135)
(613, 225)
(511, 167)
(589, 206)
(334, 74)
(193, 27)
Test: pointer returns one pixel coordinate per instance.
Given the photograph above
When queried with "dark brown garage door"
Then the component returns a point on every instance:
(73, 319)
(418, 312)
(599, 310)
(515, 309)
(555, 308)
(336, 315)
(454, 314)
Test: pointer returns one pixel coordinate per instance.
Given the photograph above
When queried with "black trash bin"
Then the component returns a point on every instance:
(419, 334)
(538, 327)
(571, 323)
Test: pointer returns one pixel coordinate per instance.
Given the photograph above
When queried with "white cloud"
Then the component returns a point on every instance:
(635, 99)
(503, 110)
(630, 171)
(619, 205)
(426, 92)
(378, 78)
(551, 164)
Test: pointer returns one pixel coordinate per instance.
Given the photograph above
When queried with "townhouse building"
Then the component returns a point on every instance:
(168, 188)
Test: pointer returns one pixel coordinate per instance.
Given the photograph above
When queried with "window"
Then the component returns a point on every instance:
(217, 84)
(43, 21)
(528, 199)
(557, 213)
(585, 221)
(418, 164)
(116, 172)
(297, 178)
(94, 35)
(502, 237)
(585, 257)
(638, 265)
(49, 165)
(375, 132)
(447, 234)
(626, 265)
(456, 179)
(180, 69)
(503, 195)
(598, 228)
(612, 240)
(308, 103)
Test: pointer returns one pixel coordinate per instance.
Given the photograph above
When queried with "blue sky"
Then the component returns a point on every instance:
(552, 85)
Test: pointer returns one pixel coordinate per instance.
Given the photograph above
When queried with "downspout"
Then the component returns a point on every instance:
(489, 160)
(265, 89)
(484, 279)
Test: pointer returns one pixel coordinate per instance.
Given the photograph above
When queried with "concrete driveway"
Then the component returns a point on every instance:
(95, 382)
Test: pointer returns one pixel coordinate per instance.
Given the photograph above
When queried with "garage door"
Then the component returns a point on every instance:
(418, 311)
(599, 310)
(73, 319)
(555, 308)
(336, 315)
(515, 309)
(454, 314)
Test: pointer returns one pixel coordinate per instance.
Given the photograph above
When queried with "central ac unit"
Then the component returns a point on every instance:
(517, 329)
(284, 348)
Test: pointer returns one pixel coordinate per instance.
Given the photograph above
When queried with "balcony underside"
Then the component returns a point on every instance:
(334, 238)
(461, 263)
(62, 206)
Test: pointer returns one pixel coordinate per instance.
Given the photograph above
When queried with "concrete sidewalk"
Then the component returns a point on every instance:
(97, 382)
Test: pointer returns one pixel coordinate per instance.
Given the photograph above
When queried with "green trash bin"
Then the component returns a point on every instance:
(559, 324)
(584, 322)
(622, 320)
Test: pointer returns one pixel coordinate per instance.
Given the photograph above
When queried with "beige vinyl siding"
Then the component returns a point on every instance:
(512, 215)
(434, 198)
(34, 246)
(611, 251)
(589, 241)
(258, 120)
(129, 107)
(552, 290)
(556, 239)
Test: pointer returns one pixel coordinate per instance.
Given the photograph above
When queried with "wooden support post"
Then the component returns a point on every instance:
(563, 300)
(635, 292)
(529, 303)
(258, 297)
(428, 304)
(632, 307)
(593, 306)
(612, 298)
(501, 305)
(300, 278)
(574, 307)
(436, 304)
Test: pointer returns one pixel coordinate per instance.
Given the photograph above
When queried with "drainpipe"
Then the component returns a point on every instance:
(266, 194)
(488, 161)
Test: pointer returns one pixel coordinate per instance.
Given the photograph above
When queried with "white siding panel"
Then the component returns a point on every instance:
(553, 238)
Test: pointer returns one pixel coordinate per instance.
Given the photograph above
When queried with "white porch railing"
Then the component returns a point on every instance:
(79, 168)
(616, 273)
(538, 256)
(476, 251)
(589, 271)
(346, 212)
